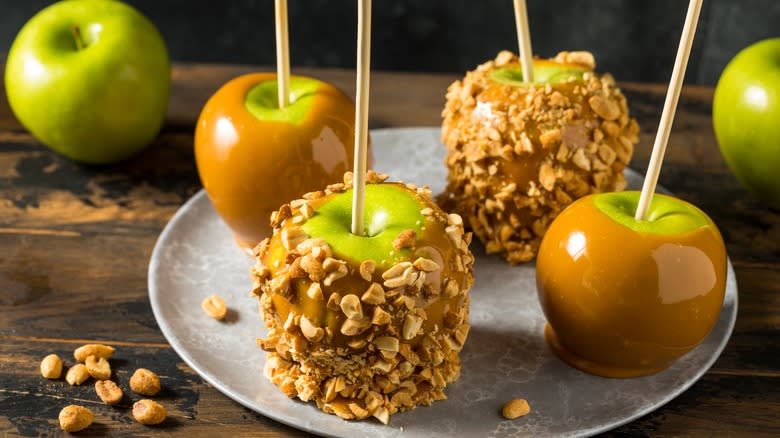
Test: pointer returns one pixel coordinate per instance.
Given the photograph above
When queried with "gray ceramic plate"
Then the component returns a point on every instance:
(505, 357)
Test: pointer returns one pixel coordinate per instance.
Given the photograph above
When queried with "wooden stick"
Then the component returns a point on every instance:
(361, 115)
(670, 106)
(524, 41)
(282, 53)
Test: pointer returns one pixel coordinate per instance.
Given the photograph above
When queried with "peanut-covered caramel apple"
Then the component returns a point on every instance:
(364, 325)
(518, 154)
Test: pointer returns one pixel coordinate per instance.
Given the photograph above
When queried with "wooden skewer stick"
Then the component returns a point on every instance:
(282, 53)
(670, 106)
(524, 41)
(361, 115)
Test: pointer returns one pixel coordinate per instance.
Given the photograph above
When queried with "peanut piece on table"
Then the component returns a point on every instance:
(149, 412)
(145, 382)
(98, 350)
(516, 408)
(108, 392)
(51, 367)
(77, 374)
(74, 418)
(98, 368)
(215, 307)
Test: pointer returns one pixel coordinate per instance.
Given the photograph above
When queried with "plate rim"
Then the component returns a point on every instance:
(294, 422)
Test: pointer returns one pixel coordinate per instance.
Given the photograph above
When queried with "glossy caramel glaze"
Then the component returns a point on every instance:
(250, 167)
(621, 303)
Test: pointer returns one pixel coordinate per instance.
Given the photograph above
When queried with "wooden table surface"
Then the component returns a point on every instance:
(75, 243)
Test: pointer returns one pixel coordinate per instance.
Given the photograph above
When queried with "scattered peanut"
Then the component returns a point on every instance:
(516, 408)
(98, 368)
(77, 374)
(145, 382)
(74, 418)
(51, 367)
(108, 391)
(215, 307)
(97, 350)
(149, 412)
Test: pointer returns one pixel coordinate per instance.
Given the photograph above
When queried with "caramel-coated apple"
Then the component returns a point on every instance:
(518, 154)
(625, 298)
(252, 156)
(364, 325)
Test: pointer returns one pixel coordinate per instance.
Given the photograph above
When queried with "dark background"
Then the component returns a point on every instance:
(636, 40)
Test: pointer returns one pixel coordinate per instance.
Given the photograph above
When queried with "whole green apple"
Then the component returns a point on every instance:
(746, 117)
(625, 298)
(90, 79)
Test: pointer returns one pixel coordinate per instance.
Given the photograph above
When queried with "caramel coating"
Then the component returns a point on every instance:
(231, 145)
(375, 339)
(517, 156)
(630, 314)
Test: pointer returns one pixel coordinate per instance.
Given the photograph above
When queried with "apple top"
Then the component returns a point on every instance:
(666, 215)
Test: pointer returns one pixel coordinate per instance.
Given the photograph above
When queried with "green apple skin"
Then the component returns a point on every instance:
(746, 118)
(262, 101)
(625, 298)
(544, 73)
(389, 210)
(666, 215)
(97, 104)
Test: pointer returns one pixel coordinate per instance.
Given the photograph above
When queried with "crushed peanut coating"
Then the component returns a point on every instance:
(518, 155)
(373, 339)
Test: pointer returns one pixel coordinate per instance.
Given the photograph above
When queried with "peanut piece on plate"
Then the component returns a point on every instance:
(51, 367)
(145, 382)
(516, 408)
(74, 418)
(215, 307)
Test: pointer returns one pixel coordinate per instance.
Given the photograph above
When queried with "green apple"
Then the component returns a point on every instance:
(746, 117)
(389, 210)
(623, 297)
(253, 156)
(545, 72)
(262, 101)
(90, 79)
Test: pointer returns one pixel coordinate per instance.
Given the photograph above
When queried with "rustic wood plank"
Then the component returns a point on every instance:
(29, 404)
(718, 402)
(716, 405)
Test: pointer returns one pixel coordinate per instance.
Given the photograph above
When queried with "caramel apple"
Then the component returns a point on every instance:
(517, 154)
(364, 325)
(252, 156)
(625, 297)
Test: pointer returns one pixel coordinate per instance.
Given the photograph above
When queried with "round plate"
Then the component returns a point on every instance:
(505, 356)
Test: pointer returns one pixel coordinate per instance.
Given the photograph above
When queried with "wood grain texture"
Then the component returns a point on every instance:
(75, 243)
